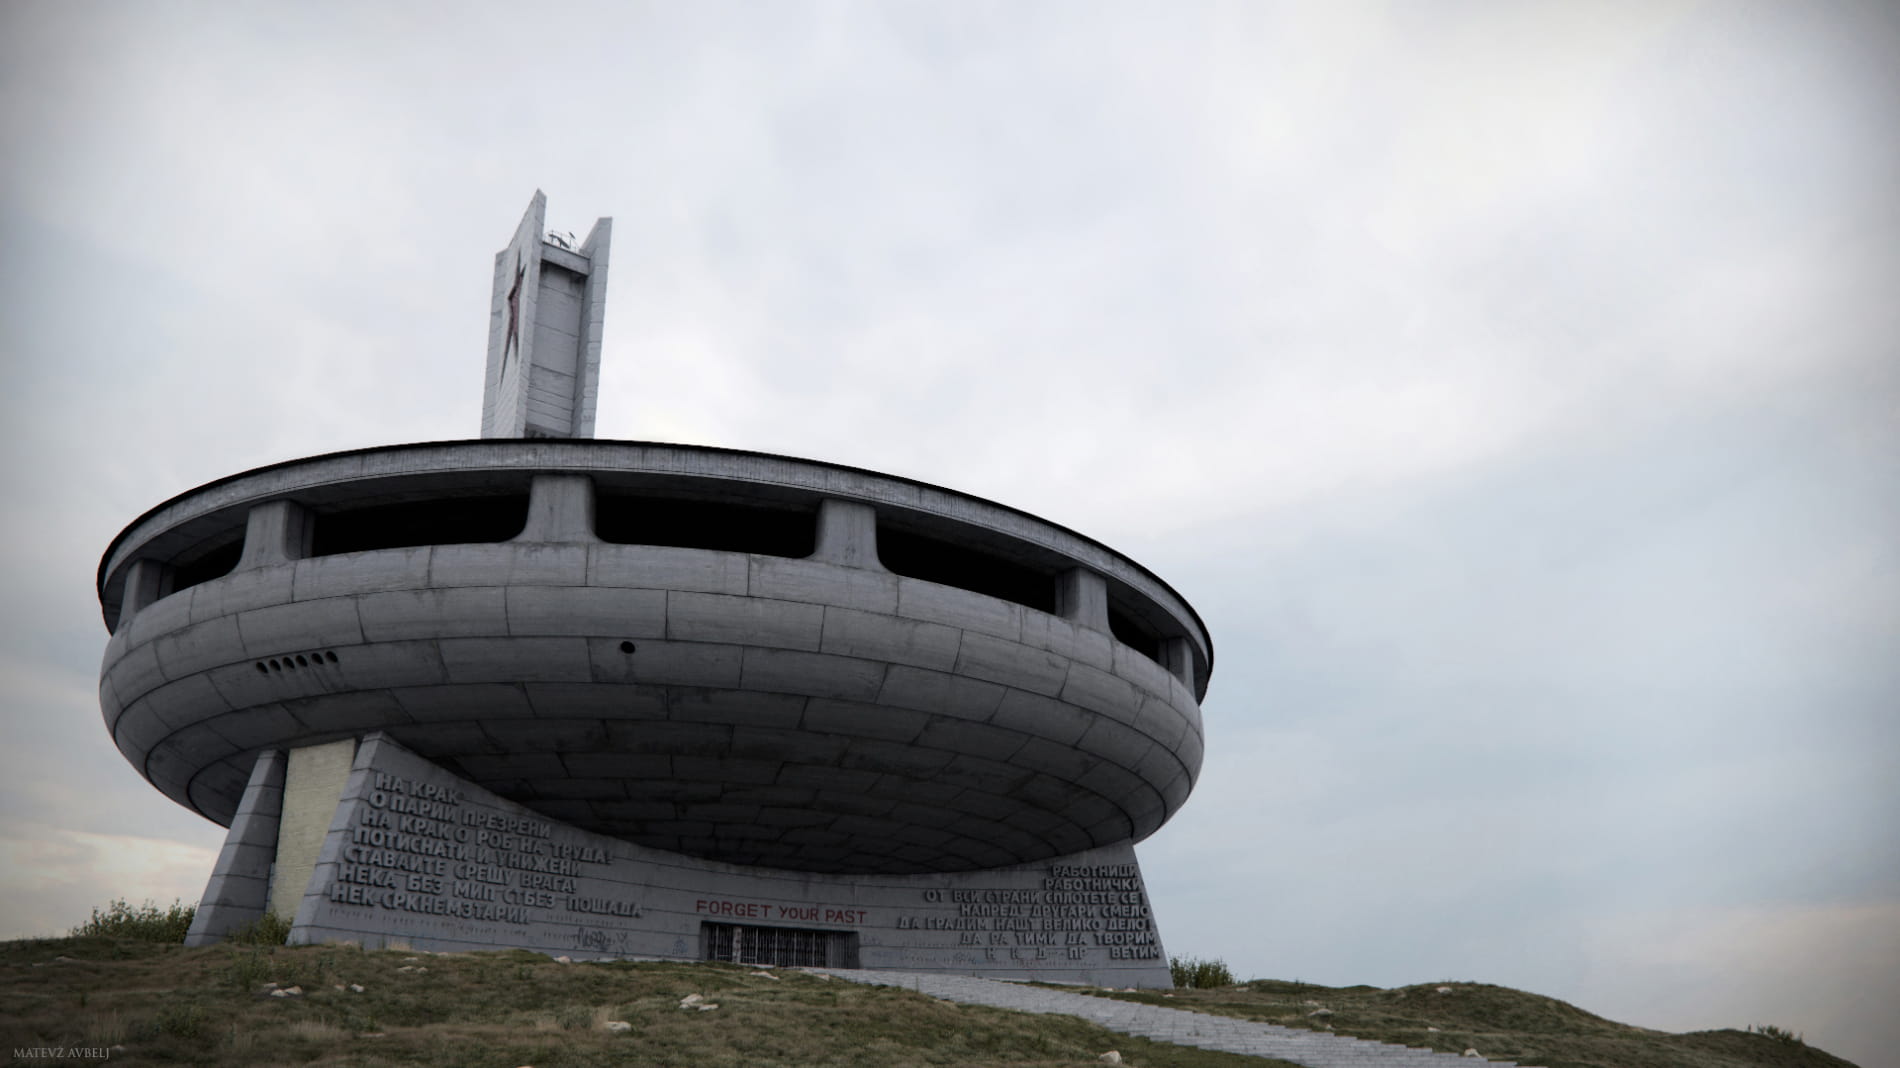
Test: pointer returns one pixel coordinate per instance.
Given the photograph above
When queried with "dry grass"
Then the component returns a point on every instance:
(172, 1005)
(1500, 1023)
(105, 1029)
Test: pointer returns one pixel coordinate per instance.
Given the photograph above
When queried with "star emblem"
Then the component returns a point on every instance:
(514, 314)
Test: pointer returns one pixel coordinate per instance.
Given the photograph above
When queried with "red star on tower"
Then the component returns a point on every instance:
(514, 314)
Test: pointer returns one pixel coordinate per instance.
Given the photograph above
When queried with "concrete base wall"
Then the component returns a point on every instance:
(239, 888)
(314, 777)
(418, 857)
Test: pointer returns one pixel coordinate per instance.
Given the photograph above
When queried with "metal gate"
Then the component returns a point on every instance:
(781, 947)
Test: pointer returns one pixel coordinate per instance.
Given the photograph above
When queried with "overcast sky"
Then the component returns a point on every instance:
(1512, 387)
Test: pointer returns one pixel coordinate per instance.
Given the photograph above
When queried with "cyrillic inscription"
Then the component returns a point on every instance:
(1084, 910)
(414, 847)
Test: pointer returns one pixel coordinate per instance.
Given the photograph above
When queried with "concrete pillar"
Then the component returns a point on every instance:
(1082, 598)
(314, 777)
(239, 889)
(847, 534)
(1177, 655)
(145, 581)
(560, 509)
(276, 532)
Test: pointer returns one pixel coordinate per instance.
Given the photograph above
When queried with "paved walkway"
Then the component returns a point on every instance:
(1315, 1049)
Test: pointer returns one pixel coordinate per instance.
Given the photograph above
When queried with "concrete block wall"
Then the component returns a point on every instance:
(476, 871)
(553, 383)
(596, 249)
(239, 890)
(314, 776)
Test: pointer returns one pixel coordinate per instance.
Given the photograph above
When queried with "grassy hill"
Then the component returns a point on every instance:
(165, 1004)
(1500, 1023)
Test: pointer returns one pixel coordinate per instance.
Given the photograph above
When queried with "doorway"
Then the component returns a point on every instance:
(780, 947)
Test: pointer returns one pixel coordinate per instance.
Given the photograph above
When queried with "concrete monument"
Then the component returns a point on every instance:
(545, 316)
(613, 698)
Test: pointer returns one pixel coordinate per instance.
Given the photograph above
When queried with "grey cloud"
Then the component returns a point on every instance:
(1512, 391)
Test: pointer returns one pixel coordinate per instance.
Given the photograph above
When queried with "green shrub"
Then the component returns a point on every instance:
(249, 970)
(1199, 974)
(183, 1021)
(146, 923)
(266, 930)
(1779, 1034)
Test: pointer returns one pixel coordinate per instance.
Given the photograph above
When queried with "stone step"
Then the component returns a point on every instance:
(1313, 1049)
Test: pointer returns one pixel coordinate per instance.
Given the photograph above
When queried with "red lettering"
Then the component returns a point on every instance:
(763, 910)
(720, 907)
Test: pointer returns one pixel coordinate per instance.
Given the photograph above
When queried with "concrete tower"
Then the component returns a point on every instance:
(545, 317)
(615, 698)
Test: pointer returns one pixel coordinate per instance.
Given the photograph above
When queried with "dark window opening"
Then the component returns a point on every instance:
(780, 947)
(919, 557)
(1134, 635)
(692, 524)
(217, 563)
(400, 526)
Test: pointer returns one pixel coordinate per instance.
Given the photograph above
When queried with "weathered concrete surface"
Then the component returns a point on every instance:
(239, 889)
(544, 332)
(314, 777)
(817, 714)
(219, 510)
(466, 653)
(418, 857)
(696, 663)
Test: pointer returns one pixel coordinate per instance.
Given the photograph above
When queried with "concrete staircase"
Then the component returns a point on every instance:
(1314, 1049)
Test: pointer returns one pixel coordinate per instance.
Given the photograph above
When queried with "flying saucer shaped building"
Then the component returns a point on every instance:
(634, 699)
